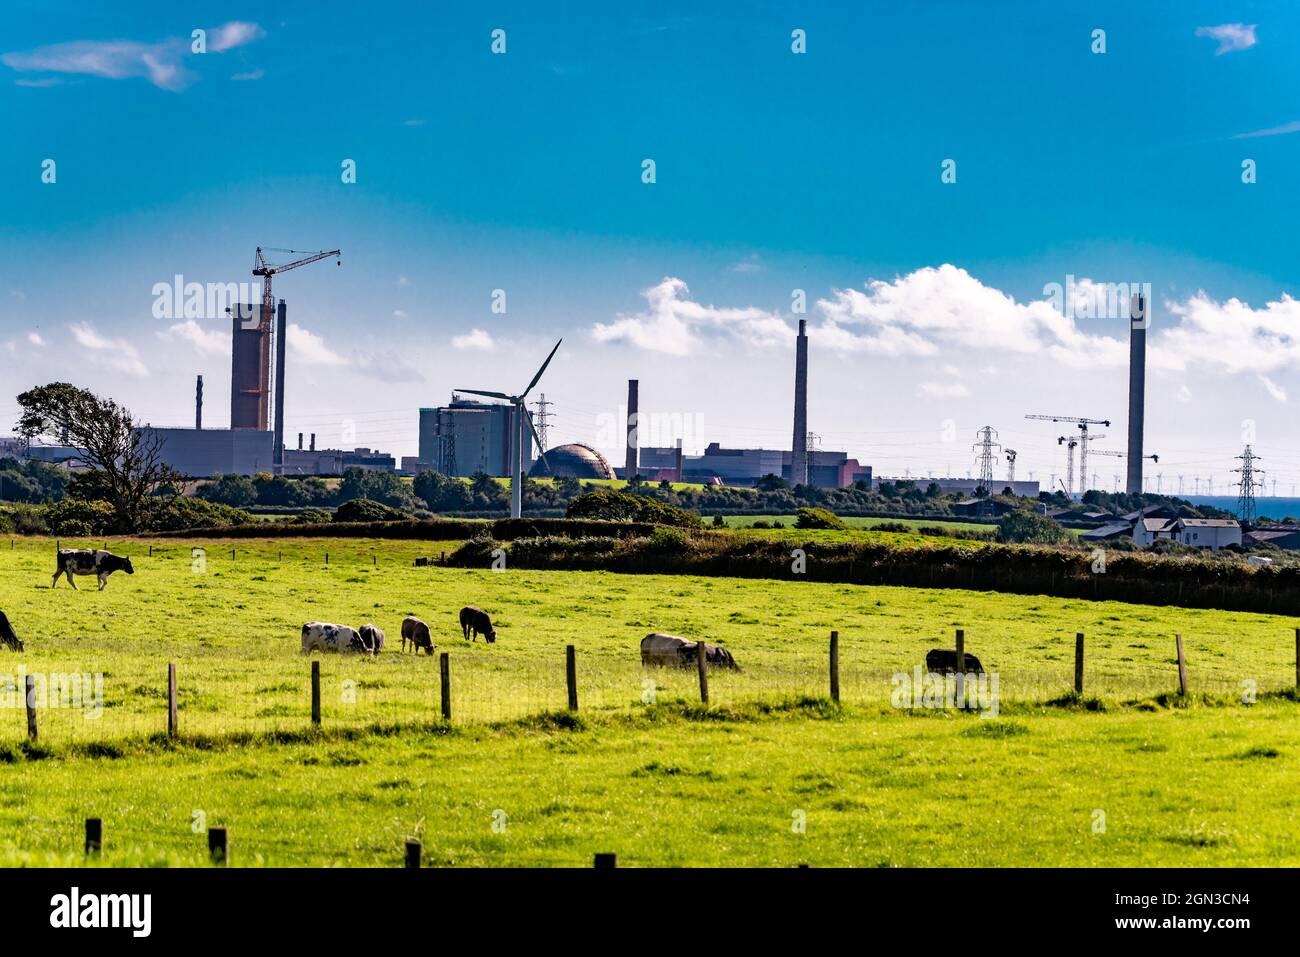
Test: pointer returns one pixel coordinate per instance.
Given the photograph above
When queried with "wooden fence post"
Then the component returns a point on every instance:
(1297, 659)
(29, 698)
(1182, 666)
(444, 668)
(835, 666)
(315, 693)
(961, 667)
(217, 849)
(94, 835)
(172, 725)
(413, 854)
(1078, 663)
(605, 862)
(703, 665)
(571, 676)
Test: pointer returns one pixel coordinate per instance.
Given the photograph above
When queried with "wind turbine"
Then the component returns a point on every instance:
(521, 416)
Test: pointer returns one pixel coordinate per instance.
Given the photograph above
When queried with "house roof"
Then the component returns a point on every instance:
(1209, 522)
(1157, 524)
(1149, 510)
(1107, 531)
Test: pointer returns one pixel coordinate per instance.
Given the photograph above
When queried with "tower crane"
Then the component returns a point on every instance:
(1069, 442)
(1083, 424)
(270, 345)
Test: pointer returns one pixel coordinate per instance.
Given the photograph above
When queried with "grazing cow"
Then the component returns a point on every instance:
(320, 636)
(476, 621)
(7, 636)
(417, 633)
(373, 638)
(943, 661)
(84, 561)
(658, 649)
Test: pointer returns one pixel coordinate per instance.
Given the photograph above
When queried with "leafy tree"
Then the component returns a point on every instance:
(442, 493)
(818, 518)
(616, 506)
(771, 483)
(107, 438)
(234, 490)
(1025, 526)
(383, 487)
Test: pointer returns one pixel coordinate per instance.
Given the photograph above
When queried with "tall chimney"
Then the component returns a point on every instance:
(299, 441)
(680, 464)
(1139, 318)
(313, 441)
(198, 405)
(631, 462)
(799, 447)
(281, 347)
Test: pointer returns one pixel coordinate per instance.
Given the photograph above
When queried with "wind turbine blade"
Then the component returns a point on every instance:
(541, 370)
(540, 453)
(490, 395)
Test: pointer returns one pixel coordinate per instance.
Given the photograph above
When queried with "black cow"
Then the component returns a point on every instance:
(943, 661)
(476, 621)
(417, 633)
(84, 561)
(7, 636)
(661, 649)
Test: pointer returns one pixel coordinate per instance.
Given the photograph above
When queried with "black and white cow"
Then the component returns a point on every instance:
(475, 622)
(660, 649)
(322, 636)
(85, 561)
(373, 638)
(7, 636)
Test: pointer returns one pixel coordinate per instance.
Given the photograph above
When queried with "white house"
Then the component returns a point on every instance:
(1147, 530)
(1211, 533)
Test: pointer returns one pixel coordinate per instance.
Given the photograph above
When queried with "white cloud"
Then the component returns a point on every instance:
(1231, 36)
(1275, 390)
(211, 342)
(674, 324)
(160, 63)
(1229, 335)
(403, 281)
(944, 390)
(1284, 129)
(236, 33)
(751, 264)
(1184, 394)
(474, 339)
(310, 349)
(399, 313)
(35, 339)
(116, 354)
(250, 76)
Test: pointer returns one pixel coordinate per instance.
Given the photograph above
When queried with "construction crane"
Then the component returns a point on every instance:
(1069, 442)
(266, 327)
(1123, 455)
(1011, 464)
(1083, 424)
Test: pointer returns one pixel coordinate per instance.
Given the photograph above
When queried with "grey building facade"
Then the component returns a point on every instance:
(467, 436)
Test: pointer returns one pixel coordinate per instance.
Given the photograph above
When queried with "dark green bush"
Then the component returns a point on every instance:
(365, 510)
(614, 506)
(818, 518)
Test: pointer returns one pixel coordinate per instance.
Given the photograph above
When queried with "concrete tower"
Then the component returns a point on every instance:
(799, 446)
(198, 405)
(1139, 318)
(630, 463)
(281, 344)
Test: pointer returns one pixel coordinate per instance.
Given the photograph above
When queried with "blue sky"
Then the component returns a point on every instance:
(775, 171)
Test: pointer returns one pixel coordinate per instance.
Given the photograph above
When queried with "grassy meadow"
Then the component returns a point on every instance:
(644, 770)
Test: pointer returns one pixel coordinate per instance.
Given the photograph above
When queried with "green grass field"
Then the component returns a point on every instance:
(644, 771)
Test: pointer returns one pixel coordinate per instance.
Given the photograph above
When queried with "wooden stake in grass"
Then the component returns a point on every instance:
(413, 849)
(605, 862)
(571, 676)
(315, 693)
(30, 698)
(444, 668)
(94, 835)
(835, 666)
(1182, 666)
(1078, 663)
(1297, 659)
(961, 668)
(703, 664)
(172, 724)
(217, 849)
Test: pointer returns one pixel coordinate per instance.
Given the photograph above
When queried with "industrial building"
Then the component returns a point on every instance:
(468, 436)
(202, 453)
(574, 460)
(825, 469)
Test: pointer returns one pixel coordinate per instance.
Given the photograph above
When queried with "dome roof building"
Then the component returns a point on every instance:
(574, 460)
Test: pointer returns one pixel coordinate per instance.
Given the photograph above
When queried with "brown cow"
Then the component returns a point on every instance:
(417, 633)
(476, 621)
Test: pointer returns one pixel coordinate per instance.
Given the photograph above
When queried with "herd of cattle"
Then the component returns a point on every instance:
(656, 649)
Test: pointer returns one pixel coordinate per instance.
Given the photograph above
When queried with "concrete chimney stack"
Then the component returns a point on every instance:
(198, 405)
(679, 462)
(799, 447)
(313, 441)
(299, 441)
(1139, 319)
(633, 386)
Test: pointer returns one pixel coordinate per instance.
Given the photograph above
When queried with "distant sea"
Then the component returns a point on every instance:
(1272, 507)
